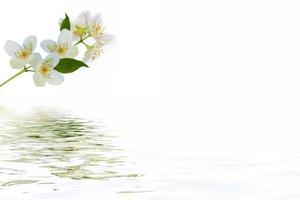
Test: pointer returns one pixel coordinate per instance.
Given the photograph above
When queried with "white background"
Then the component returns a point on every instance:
(247, 48)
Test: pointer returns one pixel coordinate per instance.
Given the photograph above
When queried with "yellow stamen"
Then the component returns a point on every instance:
(98, 30)
(80, 30)
(23, 54)
(62, 48)
(45, 69)
(98, 52)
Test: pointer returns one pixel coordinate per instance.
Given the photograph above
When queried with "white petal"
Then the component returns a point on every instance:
(16, 63)
(76, 38)
(48, 45)
(89, 53)
(65, 36)
(87, 56)
(60, 21)
(83, 18)
(52, 59)
(39, 79)
(12, 47)
(55, 78)
(97, 18)
(35, 60)
(72, 52)
(30, 42)
(97, 45)
(107, 39)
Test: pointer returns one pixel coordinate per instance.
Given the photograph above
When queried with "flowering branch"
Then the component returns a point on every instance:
(61, 54)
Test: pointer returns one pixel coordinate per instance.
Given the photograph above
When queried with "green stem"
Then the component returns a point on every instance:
(82, 40)
(25, 69)
(89, 35)
(86, 46)
(78, 42)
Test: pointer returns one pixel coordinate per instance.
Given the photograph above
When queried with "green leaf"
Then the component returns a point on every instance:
(65, 23)
(69, 65)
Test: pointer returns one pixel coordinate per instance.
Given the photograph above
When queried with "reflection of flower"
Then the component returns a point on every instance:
(44, 70)
(63, 47)
(20, 54)
(53, 139)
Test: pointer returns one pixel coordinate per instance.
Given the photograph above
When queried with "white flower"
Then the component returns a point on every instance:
(80, 27)
(44, 69)
(96, 29)
(63, 47)
(86, 25)
(20, 54)
(96, 49)
(93, 52)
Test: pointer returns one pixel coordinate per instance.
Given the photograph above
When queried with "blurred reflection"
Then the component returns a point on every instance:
(49, 143)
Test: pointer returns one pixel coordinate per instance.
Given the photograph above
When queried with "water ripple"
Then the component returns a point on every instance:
(41, 146)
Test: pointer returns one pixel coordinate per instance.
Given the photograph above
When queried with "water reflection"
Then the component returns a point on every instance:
(44, 145)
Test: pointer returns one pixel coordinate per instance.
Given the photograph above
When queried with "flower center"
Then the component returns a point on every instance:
(97, 29)
(23, 54)
(62, 48)
(45, 69)
(80, 30)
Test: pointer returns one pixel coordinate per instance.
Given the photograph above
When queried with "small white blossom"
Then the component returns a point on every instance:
(63, 47)
(93, 52)
(80, 26)
(85, 25)
(44, 69)
(20, 53)
(96, 49)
